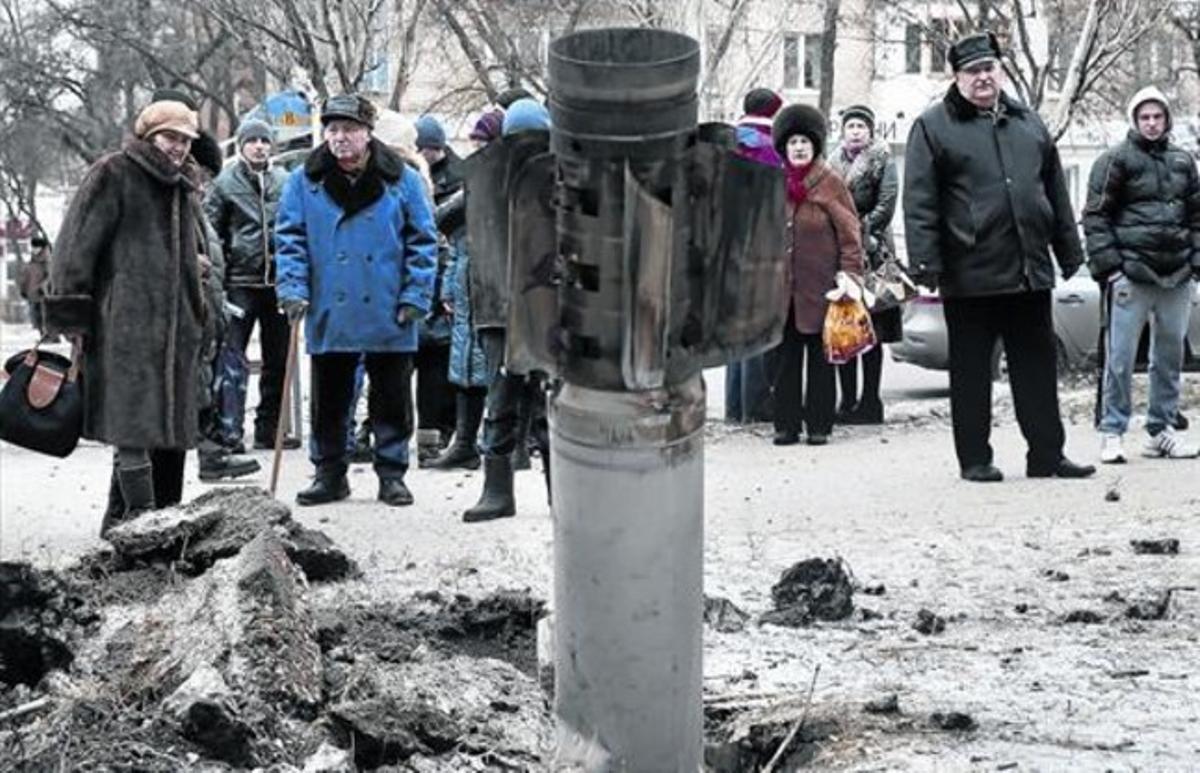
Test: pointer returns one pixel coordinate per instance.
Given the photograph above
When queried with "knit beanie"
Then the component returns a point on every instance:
(525, 115)
(862, 113)
(799, 119)
(762, 103)
(254, 129)
(430, 133)
(167, 115)
(508, 96)
(487, 128)
(207, 153)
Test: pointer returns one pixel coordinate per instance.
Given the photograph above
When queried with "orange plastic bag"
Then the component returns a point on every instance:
(848, 331)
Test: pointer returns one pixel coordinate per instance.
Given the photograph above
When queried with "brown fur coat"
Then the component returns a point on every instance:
(824, 237)
(125, 275)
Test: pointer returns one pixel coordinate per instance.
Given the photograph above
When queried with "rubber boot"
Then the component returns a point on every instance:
(462, 454)
(497, 498)
(520, 452)
(429, 445)
(115, 509)
(137, 489)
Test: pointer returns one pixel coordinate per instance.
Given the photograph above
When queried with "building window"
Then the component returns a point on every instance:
(812, 61)
(939, 45)
(376, 77)
(791, 61)
(912, 48)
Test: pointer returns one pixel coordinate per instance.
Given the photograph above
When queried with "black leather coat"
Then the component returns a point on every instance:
(241, 206)
(985, 200)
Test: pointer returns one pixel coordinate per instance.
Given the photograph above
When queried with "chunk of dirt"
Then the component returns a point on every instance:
(1085, 616)
(874, 590)
(929, 623)
(1168, 546)
(42, 616)
(723, 615)
(953, 721)
(739, 739)
(1055, 575)
(387, 731)
(813, 589)
(887, 704)
(1156, 608)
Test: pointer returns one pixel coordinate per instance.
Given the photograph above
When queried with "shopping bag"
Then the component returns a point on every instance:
(848, 331)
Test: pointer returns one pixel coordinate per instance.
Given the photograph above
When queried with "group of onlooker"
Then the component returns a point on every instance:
(366, 242)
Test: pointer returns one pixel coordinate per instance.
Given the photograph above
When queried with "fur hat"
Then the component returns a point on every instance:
(973, 48)
(862, 113)
(508, 96)
(167, 115)
(430, 133)
(763, 103)
(799, 119)
(254, 129)
(525, 115)
(396, 131)
(487, 128)
(207, 153)
(348, 107)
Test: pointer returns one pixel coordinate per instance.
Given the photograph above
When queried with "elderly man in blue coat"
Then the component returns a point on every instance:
(355, 252)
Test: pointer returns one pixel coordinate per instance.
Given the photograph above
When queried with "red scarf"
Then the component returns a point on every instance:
(797, 191)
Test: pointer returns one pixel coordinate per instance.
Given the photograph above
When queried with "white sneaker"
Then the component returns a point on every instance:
(1111, 450)
(1169, 444)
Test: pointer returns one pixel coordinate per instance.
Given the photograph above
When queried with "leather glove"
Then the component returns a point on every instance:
(293, 308)
(408, 314)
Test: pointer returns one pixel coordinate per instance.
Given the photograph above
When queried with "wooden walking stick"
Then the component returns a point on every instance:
(289, 373)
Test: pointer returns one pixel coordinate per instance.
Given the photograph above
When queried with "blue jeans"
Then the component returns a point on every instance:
(1131, 305)
(748, 389)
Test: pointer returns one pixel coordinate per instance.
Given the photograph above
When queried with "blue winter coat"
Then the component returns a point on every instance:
(356, 253)
(468, 365)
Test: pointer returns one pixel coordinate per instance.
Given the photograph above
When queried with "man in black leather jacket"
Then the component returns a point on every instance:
(241, 205)
(985, 201)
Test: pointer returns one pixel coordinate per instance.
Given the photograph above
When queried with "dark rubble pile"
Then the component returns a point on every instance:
(194, 644)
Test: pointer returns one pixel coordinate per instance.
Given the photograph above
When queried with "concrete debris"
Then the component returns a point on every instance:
(1156, 608)
(723, 615)
(887, 704)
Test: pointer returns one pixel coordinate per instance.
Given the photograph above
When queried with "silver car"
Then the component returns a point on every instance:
(1076, 329)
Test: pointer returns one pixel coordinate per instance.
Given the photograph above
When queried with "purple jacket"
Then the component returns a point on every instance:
(754, 141)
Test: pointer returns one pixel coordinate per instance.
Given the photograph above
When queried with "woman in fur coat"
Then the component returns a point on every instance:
(866, 165)
(125, 284)
(824, 239)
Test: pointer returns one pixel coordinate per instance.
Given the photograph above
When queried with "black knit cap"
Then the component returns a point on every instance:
(174, 95)
(508, 96)
(762, 103)
(799, 119)
(207, 153)
(862, 113)
(973, 48)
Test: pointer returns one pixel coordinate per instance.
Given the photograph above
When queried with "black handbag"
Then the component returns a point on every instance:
(41, 404)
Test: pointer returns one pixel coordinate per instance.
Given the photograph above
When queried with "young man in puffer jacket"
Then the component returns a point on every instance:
(1143, 241)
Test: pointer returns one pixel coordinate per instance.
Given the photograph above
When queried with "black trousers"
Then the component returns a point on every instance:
(261, 307)
(1022, 321)
(508, 397)
(435, 393)
(810, 405)
(389, 407)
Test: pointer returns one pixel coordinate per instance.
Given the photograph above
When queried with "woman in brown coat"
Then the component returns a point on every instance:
(125, 281)
(824, 238)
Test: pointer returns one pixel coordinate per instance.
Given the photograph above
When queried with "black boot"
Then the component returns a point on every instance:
(217, 465)
(363, 452)
(429, 445)
(116, 504)
(497, 498)
(392, 491)
(462, 453)
(324, 489)
(137, 489)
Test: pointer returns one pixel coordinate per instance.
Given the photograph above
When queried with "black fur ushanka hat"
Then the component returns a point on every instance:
(799, 119)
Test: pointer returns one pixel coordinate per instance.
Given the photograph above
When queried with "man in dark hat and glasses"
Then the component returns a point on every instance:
(985, 205)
